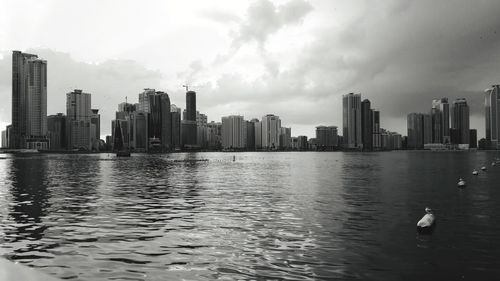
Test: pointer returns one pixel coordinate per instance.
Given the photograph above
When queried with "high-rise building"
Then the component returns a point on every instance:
(285, 141)
(271, 128)
(176, 126)
(376, 141)
(5, 142)
(473, 138)
(160, 122)
(326, 137)
(351, 119)
(415, 131)
(460, 120)
(440, 114)
(78, 114)
(302, 143)
(233, 132)
(366, 125)
(492, 116)
(427, 128)
(214, 135)
(56, 130)
(143, 104)
(189, 128)
(201, 129)
(250, 125)
(258, 133)
(95, 129)
(29, 102)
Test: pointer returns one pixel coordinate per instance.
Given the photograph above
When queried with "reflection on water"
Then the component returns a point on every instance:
(288, 216)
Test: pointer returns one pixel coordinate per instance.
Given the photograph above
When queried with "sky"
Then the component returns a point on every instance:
(291, 58)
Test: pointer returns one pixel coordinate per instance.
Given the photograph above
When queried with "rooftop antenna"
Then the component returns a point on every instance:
(186, 86)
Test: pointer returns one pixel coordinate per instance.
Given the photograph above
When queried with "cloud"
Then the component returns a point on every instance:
(109, 83)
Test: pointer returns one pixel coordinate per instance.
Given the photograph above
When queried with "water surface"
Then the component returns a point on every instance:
(293, 216)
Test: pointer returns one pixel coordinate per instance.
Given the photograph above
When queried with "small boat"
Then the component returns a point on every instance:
(475, 172)
(427, 223)
(461, 183)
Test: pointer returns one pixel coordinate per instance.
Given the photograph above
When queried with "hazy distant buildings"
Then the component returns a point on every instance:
(233, 132)
(492, 116)
(250, 127)
(376, 141)
(258, 133)
(143, 104)
(351, 119)
(56, 131)
(5, 142)
(78, 125)
(460, 121)
(95, 129)
(302, 143)
(29, 102)
(270, 131)
(415, 125)
(326, 137)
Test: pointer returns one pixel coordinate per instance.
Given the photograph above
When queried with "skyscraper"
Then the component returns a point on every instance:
(78, 115)
(440, 114)
(29, 102)
(233, 132)
(415, 131)
(351, 119)
(258, 133)
(376, 142)
(271, 128)
(492, 116)
(160, 120)
(95, 129)
(189, 131)
(176, 126)
(460, 120)
(144, 100)
(201, 129)
(285, 141)
(366, 125)
(250, 125)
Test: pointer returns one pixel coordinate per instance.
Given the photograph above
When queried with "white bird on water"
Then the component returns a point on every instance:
(427, 223)
(483, 168)
(475, 172)
(461, 182)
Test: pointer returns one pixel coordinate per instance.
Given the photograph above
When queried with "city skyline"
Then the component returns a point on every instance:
(286, 63)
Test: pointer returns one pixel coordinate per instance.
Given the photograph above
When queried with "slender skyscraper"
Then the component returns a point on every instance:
(415, 131)
(189, 128)
(29, 102)
(440, 114)
(460, 121)
(492, 116)
(366, 125)
(160, 120)
(351, 119)
(377, 142)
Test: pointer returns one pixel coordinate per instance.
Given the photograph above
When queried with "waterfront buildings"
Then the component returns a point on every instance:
(214, 135)
(201, 129)
(376, 141)
(250, 125)
(302, 143)
(492, 116)
(351, 119)
(233, 132)
(326, 137)
(270, 131)
(78, 124)
(56, 130)
(160, 122)
(415, 125)
(366, 125)
(189, 128)
(440, 114)
(29, 102)
(258, 133)
(460, 122)
(176, 126)
(285, 138)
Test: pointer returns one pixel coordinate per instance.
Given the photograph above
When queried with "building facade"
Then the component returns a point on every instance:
(351, 120)
(233, 132)
(29, 102)
(270, 131)
(78, 125)
(460, 121)
(492, 116)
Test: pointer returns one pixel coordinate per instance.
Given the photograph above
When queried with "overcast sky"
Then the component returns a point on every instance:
(292, 58)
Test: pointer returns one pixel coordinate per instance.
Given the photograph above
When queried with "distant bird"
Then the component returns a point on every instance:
(461, 183)
(427, 223)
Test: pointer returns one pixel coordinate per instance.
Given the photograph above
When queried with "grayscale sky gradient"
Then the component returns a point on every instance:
(293, 58)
